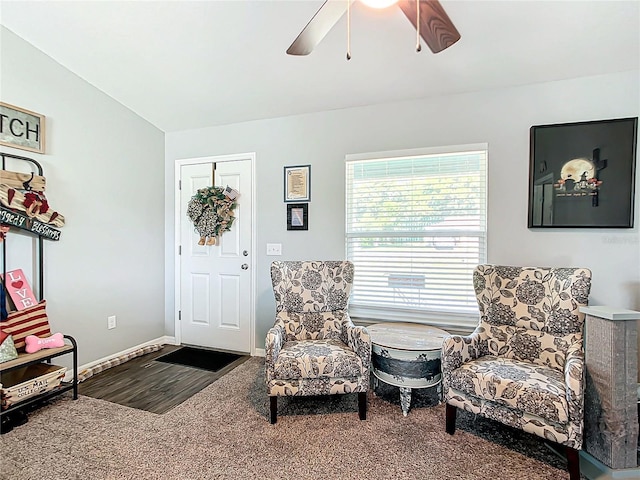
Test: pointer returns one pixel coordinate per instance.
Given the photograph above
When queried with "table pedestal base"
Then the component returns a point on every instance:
(405, 400)
(405, 394)
(407, 356)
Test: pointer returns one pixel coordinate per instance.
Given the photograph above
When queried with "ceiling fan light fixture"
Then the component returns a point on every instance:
(379, 3)
(428, 17)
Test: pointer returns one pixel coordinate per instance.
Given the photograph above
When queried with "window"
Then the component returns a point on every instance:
(415, 230)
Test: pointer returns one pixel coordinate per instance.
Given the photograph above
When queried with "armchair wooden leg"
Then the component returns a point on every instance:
(362, 405)
(274, 409)
(451, 419)
(573, 461)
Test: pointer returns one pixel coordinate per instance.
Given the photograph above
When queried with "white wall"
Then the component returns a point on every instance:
(104, 173)
(501, 118)
(103, 170)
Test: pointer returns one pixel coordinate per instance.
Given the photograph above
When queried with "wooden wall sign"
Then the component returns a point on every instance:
(21, 128)
(33, 205)
(24, 181)
(15, 219)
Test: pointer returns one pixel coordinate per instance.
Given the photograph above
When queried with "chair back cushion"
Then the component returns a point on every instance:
(312, 325)
(311, 286)
(531, 313)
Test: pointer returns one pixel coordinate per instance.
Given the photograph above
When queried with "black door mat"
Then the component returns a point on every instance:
(199, 358)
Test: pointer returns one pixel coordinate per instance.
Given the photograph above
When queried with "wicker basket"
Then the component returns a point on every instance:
(23, 383)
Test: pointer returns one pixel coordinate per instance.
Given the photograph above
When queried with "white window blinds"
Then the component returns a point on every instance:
(415, 230)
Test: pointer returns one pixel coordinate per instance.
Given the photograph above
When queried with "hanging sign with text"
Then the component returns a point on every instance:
(19, 290)
(20, 128)
(15, 219)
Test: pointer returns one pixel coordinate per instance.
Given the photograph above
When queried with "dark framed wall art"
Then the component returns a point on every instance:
(583, 174)
(298, 216)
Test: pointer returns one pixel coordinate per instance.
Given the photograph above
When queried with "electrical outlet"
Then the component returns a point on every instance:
(274, 249)
(111, 322)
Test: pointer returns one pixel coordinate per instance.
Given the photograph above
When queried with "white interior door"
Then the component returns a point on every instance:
(215, 281)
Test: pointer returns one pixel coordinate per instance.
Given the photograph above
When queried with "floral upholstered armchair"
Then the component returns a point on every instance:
(524, 363)
(313, 347)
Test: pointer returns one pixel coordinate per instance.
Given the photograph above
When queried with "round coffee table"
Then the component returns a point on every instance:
(406, 355)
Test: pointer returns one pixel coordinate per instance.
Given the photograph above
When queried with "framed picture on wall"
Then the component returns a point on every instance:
(297, 183)
(21, 128)
(298, 216)
(583, 174)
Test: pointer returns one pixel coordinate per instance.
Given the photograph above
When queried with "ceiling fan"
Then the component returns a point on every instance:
(434, 26)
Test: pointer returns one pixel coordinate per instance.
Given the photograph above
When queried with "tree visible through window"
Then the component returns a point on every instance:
(416, 229)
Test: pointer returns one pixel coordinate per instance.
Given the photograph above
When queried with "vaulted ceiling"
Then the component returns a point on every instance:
(184, 65)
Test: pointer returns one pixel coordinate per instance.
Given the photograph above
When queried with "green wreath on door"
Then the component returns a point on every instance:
(211, 211)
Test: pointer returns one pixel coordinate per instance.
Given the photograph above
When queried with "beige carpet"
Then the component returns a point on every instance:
(223, 432)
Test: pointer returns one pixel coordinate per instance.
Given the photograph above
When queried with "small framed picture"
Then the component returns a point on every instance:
(298, 216)
(297, 183)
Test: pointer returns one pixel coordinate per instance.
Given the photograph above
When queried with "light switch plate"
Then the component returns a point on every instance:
(274, 249)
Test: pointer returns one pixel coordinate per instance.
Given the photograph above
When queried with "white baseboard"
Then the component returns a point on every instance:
(164, 340)
(259, 352)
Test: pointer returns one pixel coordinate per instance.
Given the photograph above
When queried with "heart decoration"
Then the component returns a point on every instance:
(17, 284)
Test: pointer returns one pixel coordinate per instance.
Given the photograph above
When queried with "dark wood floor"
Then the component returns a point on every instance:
(145, 384)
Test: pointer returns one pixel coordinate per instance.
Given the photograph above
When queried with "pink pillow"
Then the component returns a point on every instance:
(35, 343)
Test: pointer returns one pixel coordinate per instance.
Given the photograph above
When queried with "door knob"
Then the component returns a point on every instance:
(244, 266)
(245, 253)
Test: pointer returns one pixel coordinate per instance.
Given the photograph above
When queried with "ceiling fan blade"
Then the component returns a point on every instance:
(325, 18)
(436, 28)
